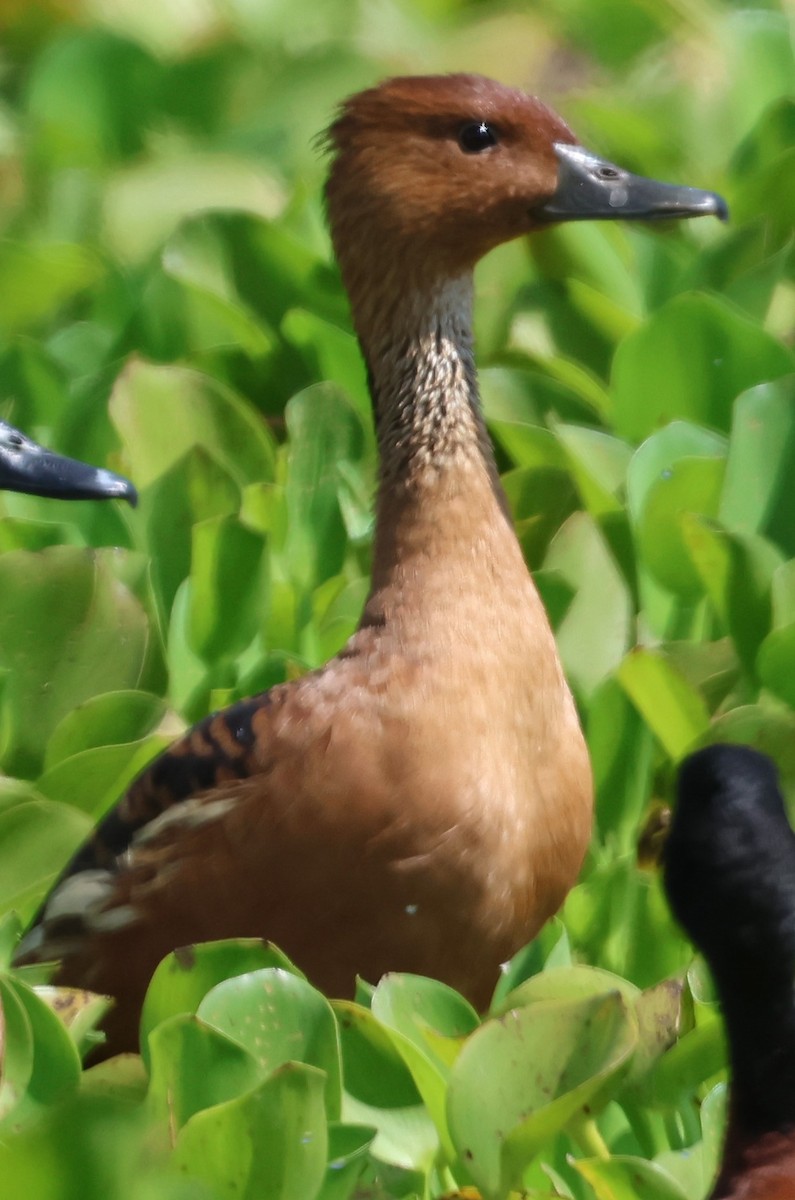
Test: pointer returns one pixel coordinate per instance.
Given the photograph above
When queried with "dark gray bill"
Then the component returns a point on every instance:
(25, 466)
(590, 188)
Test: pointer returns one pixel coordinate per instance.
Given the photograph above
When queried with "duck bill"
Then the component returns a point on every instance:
(592, 189)
(25, 466)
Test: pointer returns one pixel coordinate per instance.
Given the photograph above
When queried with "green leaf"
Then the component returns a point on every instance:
(271, 1142)
(94, 640)
(757, 492)
(692, 485)
(325, 433)
(278, 1017)
(710, 354)
(380, 1091)
(162, 412)
(16, 1048)
(524, 1077)
(39, 277)
(93, 780)
(56, 1065)
(37, 838)
(183, 979)
(737, 573)
(673, 710)
(227, 587)
(598, 463)
(595, 632)
(110, 719)
(429, 1014)
(626, 1178)
(347, 1157)
(193, 1067)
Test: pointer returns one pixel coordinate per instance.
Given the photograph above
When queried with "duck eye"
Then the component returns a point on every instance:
(477, 136)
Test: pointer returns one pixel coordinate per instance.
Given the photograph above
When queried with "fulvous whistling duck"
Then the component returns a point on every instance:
(422, 802)
(730, 879)
(25, 466)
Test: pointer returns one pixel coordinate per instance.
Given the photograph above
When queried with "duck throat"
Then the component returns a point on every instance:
(423, 382)
(443, 530)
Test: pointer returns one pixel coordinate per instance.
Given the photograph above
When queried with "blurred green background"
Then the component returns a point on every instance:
(169, 306)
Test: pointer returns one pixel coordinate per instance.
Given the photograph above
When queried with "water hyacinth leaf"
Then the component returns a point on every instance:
(776, 663)
(227, 587)
(334, 355)
(215, 317)
(594, 634)
(336, 607)
(298, 278)
(279, 1017)
(94, 640)
(79, 1011)
(698, 1056)
(540, 499)
(621, 749)
(656, 1009)
(711, 354)
(598, 464)
(380, 1091)
(10, 933)
(653, 461)
(37, 838)
(737, 571)
(109, 719)
(672, 709)
(373, 1069)
(272, 1141)
(347, 1158)
(38, 277)
(193, 1067)
(430, 1014)
(626, 1178)
(691, 485)
(193, 489)
(522, 1078)
(95, 124)
(712, 1113)
(55, 1070)
(146, 202)
(428, 1058)
(93, 779)
(528, 445)
(123, 1077)
(759, 470)
(16, 1048)
(551, 947)
(567, 983)
(92, 1147)
(316, 535)
(646, 948)
(183, 978)
(162, 412)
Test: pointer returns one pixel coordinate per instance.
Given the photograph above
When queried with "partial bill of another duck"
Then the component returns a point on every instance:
(25, 466)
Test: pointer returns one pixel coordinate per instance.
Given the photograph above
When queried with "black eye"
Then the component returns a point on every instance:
(14, 439)
(477, 136)
(608, 173)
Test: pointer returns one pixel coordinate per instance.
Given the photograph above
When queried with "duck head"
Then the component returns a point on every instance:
(440, 169)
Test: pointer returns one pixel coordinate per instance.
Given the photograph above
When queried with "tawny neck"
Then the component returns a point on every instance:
(417, 342)
(440, 504)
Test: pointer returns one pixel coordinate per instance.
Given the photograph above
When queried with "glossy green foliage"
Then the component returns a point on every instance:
(169, 306)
